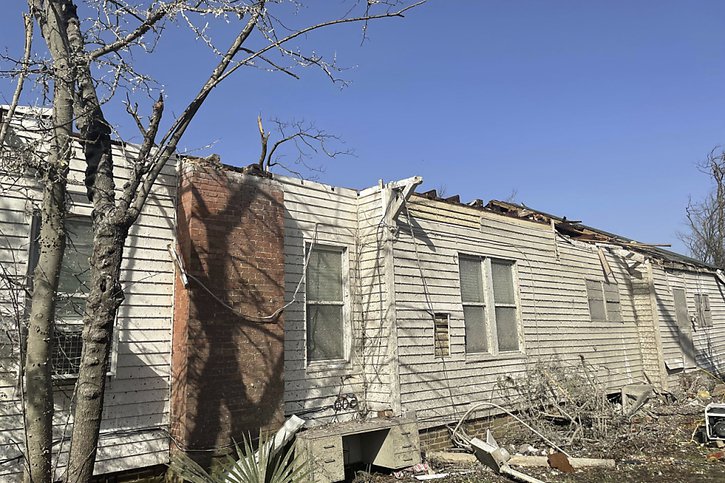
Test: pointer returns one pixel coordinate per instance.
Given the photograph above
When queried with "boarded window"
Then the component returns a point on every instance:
(474, 308)
(684, 328)
(73, 288)
(441, 336)
(325, 304)
(595, 296)
(704, 315)
(683, 318)
(504, 299)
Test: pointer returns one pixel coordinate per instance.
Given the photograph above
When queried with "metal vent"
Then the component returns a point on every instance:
(442, 342)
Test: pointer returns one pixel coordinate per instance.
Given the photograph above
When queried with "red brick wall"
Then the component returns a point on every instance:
(227, 364)
(438, 438)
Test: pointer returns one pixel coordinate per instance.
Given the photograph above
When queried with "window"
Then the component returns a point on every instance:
(504, 300)
(325, 297)
(702, 305)
(485, 279)
(603, 298)
(72, 291)
(474, 307)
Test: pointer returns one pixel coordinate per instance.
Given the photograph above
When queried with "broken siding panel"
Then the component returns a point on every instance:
(556, 320)
(137, 394)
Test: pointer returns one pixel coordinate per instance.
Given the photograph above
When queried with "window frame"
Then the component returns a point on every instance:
(489, 303)
(77, 323)
(602, 289)
(346, 324)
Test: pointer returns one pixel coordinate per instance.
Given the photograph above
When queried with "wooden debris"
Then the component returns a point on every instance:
(576, 463)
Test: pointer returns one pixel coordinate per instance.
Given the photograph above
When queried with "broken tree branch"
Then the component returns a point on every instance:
(264, 139)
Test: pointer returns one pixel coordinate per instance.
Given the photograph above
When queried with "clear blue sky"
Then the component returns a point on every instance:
(594, 110)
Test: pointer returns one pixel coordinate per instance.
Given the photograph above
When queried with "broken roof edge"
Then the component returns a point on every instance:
(572, 229)
(575, 230)
(611, 238)
(254, 170)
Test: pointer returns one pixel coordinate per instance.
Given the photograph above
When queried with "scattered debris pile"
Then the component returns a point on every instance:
(565, 401)
(564, 424)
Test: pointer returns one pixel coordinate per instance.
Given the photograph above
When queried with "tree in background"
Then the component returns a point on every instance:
(706, 219)
(85, 61)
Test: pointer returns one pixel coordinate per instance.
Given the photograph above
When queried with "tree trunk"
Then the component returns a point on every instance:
(110, 230)
(38, 379)
(102, 303)
(39, 384)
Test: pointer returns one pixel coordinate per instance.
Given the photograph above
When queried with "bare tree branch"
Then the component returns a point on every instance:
(705, 238)
(366, 18)
(25, 65)
(151, 19)
(176, 131)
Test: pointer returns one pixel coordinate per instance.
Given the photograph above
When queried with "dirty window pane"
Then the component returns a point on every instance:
(69, 309)
(596, 300)
(471, 280)
(611, 296)
(475, 320)
(75, 273)
(614, 314)
(324, 332)
(506, 329)
(503, 282)
(324, 275)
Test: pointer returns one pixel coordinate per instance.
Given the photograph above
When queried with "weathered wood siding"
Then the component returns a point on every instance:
(375, 307)
(709, 342)
(345, 218)
(135, 416)
(553, 306)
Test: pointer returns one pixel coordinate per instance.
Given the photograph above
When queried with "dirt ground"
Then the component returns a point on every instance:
(656, 445)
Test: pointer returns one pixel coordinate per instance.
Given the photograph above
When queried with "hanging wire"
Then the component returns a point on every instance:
(263, 319)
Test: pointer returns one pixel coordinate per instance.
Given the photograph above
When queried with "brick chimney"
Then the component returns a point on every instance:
(227, 356)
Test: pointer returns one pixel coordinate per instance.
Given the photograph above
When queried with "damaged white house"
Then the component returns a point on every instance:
(281, 296)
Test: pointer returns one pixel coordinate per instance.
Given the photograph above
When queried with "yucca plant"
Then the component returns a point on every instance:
(266, 465)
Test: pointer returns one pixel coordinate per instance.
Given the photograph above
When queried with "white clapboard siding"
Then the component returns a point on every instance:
(341, 217)
(136, 402)
(709, 342)
(553, 306)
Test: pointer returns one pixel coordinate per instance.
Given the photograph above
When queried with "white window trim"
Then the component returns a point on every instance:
(345, 362)
(493, 352)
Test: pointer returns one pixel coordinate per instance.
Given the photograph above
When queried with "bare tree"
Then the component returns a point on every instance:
(706, 219)
(88, 59)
